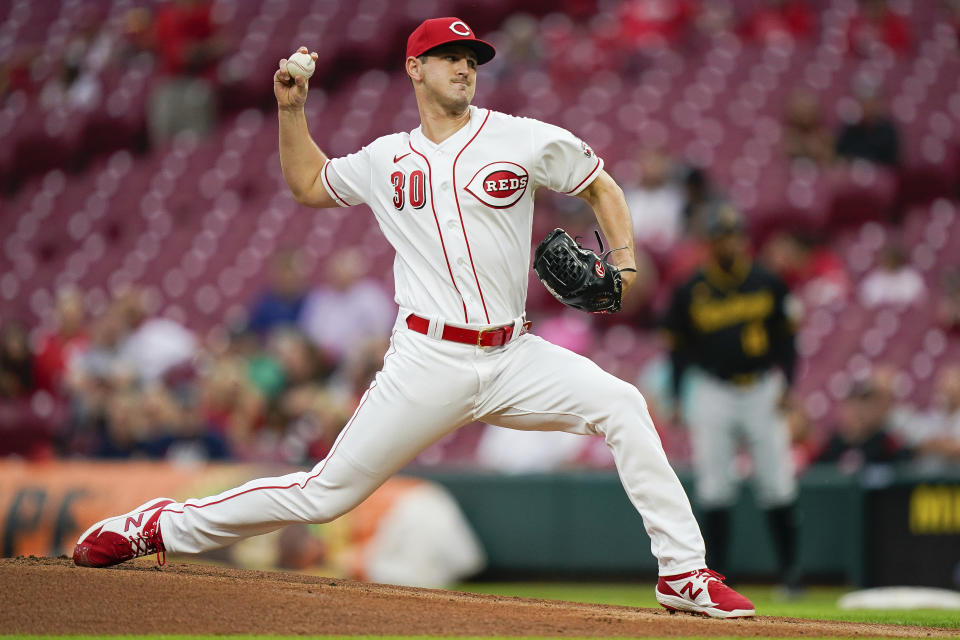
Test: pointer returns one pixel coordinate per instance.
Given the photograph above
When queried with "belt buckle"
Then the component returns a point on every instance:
(480, 335)
(502, 329)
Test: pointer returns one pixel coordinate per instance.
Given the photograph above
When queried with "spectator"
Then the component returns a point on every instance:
(805, 135)
(16, 361)
(77, 85)
(893, 282)
(230, 406)
(346, 286)
(862, 436)
(138, 34)
(358, 368)
(102, 361)
(58, 348)
(654, 24)
(263, 370)
(699, 197)
(948, 307)
(281, 304)
(656, 203)
(811, 269)
(871, 135)
(779, 20)
(153, 346)
(71, 88)
(96, 373)
(125, 429)
(940, 445)
(188, 47)
(297, 358)
(180, 435)
(520, 45)
(875, 28)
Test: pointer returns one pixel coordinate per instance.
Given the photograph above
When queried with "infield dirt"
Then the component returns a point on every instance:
(52, 596)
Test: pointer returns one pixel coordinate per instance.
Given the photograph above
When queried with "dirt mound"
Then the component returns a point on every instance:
(51, 596)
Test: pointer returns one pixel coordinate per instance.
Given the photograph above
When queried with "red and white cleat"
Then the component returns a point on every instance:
(702, 591)
(123, 538)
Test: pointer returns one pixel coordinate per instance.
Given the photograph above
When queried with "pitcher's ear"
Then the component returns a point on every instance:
(414, 66)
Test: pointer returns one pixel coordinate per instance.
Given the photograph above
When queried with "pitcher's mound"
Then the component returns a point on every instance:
(52, 596)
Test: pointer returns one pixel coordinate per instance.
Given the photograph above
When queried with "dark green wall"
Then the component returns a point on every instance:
(582, 523)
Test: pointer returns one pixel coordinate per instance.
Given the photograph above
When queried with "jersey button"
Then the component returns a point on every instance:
(452, 224)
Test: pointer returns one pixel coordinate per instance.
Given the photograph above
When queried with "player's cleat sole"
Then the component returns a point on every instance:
(702, 592)
(124, 537)
(678, 605)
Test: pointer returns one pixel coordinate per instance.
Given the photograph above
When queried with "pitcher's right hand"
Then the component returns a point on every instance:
(291, 92)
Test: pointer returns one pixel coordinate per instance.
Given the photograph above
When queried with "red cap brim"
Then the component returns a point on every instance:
(484, 50)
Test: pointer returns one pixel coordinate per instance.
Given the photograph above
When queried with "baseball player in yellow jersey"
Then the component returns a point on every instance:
(731, 332)
(454, 197)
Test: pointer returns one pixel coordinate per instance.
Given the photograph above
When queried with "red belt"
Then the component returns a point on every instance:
(493, 337)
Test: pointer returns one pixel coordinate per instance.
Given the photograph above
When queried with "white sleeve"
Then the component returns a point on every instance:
(565, 163)
(347, 179)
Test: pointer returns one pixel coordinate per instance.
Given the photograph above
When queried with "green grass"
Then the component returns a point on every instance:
(819, 603)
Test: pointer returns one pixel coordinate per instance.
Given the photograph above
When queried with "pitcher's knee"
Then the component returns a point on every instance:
(620, 405)
(325, 505)
(623, 398)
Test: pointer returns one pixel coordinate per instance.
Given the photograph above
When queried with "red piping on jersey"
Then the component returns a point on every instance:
(332, 190)
(457, 200)
(440, 233)
(593, 171)
(393, 350)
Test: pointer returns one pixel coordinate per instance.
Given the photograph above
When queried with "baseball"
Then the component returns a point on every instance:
(300, 64)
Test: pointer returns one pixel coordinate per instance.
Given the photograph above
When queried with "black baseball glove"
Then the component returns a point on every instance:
(576, 276)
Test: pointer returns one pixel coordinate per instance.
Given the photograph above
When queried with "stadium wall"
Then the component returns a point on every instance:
(880, 528)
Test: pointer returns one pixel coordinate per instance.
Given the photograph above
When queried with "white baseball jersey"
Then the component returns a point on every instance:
(459, 213)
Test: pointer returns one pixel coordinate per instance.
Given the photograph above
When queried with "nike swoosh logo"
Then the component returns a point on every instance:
(399, 158)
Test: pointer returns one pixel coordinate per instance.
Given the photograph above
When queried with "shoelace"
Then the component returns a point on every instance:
(142, 544)
(710, 574)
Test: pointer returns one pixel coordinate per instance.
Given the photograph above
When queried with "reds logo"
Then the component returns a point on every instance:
(460, 28)
(598, 269)
(499, 184)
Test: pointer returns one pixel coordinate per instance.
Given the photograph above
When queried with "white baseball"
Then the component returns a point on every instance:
(300, 64)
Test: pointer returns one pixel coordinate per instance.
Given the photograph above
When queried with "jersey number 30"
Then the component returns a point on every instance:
(417, 193)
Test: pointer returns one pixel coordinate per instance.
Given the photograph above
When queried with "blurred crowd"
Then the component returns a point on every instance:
(132, 75)
(280, 383)
(128, 384)
(592, 36)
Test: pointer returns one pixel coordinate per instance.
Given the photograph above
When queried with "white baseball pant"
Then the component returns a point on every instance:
(427, 389)
(719, 413)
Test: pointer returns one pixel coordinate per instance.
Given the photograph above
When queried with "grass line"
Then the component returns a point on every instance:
(816, 603)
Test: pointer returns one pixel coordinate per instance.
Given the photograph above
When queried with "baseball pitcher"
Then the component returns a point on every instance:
(455, 198)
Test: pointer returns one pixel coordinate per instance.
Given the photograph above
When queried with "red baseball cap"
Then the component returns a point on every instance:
(437, 31)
